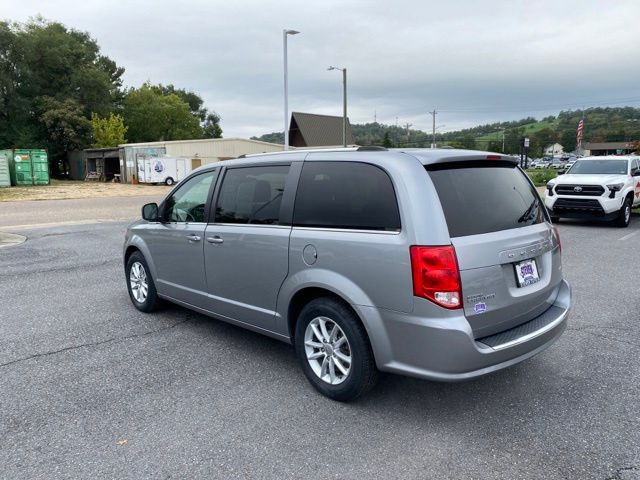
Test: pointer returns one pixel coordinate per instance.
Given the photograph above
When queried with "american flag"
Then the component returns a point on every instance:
(579, 132)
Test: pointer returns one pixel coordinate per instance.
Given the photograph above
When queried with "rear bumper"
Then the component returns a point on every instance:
(446, 350)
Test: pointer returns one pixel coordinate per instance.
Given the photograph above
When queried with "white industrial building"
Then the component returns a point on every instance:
(196, 152)
(553, 150)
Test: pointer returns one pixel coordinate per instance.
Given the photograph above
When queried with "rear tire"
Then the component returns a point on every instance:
(329, 353)
(142, 290)
(169, 181)
(624, 216)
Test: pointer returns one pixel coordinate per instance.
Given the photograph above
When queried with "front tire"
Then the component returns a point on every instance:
(334, 350)
(624, 216)
(142, 290)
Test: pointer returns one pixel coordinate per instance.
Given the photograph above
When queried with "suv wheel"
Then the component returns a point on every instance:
(334, 350)
(142, 290)
(624, 217)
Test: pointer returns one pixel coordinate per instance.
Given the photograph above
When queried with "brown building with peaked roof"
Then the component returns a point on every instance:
(313, 130)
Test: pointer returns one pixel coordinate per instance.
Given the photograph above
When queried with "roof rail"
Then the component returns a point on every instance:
(372, 148)
(244, 155)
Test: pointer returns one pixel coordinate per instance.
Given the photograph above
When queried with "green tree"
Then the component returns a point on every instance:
(542, 139)
(65, 124)
(468, 142)
(273, 137)
(152, 116)
(51, 79)
(512, 140)
(211, 126)
(209, 121)
(386, 141)
(109, 131)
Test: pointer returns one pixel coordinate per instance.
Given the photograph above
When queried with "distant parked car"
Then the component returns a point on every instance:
(570, 164)
(541, 164)
(557, 163)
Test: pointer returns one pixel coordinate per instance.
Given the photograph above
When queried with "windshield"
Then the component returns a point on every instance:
(599, 166)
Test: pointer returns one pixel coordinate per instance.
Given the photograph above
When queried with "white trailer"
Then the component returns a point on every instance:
(167, 170)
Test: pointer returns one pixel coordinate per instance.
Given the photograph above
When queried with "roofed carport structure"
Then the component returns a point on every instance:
(313, 130)
(102, 164)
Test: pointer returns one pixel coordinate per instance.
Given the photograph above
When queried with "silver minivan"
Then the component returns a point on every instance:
(439, 264)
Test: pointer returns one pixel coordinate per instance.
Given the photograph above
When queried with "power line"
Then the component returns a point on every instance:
(584, 104)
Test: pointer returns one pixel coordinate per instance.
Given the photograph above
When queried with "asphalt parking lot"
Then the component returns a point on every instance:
(92, 388)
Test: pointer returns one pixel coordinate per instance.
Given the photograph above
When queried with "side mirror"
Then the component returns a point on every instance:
(636, 173)
(561, 172)
(150, 212)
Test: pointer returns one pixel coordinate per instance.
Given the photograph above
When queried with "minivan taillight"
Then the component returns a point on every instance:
(436, 276)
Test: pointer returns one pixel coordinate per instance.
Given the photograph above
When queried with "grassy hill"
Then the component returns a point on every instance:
(529, 129)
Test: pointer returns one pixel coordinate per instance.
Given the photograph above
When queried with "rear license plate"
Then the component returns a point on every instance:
(527, 273)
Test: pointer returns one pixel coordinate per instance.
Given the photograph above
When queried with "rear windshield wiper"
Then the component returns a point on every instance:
(530, 212)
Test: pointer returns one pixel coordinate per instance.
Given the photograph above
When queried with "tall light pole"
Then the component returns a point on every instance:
(344, 103)
(433, 116)
(286, 32)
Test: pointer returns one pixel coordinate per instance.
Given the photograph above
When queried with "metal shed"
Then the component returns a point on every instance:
(197, 152)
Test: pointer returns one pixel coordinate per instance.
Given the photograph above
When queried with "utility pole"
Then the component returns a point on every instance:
(433, 115)
(408, 125)
(503, 140)
(375, 116)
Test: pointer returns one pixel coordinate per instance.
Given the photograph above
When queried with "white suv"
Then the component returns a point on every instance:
(602, 188)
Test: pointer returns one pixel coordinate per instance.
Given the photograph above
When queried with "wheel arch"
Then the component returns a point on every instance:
(294, 300)
(630, 196)
(136, 244)
(129, 251)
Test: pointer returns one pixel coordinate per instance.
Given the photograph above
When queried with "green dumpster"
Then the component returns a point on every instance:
(29, 167)
(39, 167)
(5, 176)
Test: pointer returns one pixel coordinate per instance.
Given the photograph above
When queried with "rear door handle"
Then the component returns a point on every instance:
(193, 238)
(215, 239)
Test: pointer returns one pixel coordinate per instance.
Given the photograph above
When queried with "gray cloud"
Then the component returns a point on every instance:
(475, 61)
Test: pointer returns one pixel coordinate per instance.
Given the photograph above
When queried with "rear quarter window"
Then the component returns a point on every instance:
(481, 197)
(346, 195)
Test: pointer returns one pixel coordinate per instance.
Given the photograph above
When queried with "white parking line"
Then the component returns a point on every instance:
(628, 236)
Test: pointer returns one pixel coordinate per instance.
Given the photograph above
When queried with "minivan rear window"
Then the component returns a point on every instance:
(482, 197)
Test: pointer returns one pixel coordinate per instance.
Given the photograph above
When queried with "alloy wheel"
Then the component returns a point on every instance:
(328, 350)
(138, 282)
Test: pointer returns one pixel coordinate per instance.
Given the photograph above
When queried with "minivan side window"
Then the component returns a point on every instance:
(252, 195)
(187, 204)
(349, 195)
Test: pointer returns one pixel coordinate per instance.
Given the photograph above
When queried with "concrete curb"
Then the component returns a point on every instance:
(9, 239)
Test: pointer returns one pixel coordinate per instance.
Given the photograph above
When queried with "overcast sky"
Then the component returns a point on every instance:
(474, 61)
